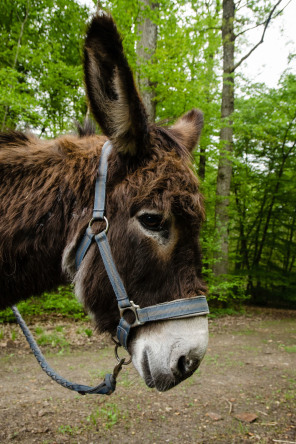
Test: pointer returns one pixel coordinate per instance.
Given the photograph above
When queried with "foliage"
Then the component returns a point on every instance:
(182, 70)
(62, 302)
(40, 66)
(263, 234)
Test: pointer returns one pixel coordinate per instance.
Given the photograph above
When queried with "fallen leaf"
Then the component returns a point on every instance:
(246, 417)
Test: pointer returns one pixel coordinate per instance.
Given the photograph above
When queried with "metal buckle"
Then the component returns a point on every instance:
(121, 361)
(132, 307)
(95, 219)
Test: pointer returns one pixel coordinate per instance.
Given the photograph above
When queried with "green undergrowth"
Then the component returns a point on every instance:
(216, 312)
(61, 302)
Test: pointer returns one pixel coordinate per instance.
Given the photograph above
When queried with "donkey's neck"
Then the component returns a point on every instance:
(46, 199)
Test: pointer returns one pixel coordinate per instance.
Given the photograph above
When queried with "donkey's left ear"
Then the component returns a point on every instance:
(111, 89)
(188, 128)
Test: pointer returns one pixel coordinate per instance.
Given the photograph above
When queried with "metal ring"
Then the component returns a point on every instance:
(119, 359)
(95, 219)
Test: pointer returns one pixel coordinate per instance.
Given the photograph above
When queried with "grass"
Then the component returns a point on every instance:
(54, 339)
(85, 331)
(59, 328)
(290, 395)
(88, 332)
(13, 335)
(68, 430)
(106, 415)
(290, 348)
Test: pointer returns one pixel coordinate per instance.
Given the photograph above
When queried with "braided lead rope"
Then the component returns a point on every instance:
(105, 388)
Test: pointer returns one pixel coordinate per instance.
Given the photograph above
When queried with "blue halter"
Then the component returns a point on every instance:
(179, 308)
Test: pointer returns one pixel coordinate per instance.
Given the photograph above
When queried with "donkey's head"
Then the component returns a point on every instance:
(155, 210)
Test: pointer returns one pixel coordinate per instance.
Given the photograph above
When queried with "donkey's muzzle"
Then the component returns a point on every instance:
(180, 370)
(166, 353)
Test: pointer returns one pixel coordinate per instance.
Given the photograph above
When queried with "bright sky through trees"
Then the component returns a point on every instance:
(270, 59)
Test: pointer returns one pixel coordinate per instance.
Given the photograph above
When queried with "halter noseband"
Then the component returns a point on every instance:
(179, 308)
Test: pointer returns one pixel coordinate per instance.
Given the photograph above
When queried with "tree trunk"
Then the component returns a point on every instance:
(146, 47)
(225, 164)
(16, 57)
(202, 163)
(289, 244)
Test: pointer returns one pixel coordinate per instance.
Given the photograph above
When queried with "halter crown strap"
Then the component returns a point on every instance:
(99, 203)
(100, 189)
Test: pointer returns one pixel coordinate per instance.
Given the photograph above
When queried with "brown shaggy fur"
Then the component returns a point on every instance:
(47, 192)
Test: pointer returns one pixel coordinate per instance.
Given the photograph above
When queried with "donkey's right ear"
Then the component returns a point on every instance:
(112, 94)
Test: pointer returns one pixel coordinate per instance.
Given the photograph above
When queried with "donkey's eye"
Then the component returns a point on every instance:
(153, 222)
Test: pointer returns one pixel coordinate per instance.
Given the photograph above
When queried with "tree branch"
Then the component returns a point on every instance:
(270, 16)
(260, 24)
(21, 35)
(249, 29)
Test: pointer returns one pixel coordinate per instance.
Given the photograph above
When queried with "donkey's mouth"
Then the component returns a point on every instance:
(162, 382)
(146, 370)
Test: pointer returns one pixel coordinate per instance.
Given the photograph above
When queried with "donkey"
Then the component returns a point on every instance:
(153, 203)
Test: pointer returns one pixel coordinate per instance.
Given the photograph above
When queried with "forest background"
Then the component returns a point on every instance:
(184, 54)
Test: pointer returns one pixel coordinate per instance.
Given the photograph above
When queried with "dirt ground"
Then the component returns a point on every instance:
(244, 391)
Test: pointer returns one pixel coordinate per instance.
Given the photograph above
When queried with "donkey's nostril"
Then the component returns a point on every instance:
(186, 366)
(181, 365)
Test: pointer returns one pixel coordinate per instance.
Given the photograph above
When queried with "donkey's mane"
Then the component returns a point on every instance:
(21, 138)
(16, 138)
(87, 128)
(162, 137)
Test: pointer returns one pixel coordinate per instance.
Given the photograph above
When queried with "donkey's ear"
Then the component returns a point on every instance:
(111, 90)
(188, 128)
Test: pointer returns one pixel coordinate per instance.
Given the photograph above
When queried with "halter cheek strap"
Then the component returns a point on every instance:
(180, 308)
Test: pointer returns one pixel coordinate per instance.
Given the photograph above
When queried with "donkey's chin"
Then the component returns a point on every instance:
(168, 352)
